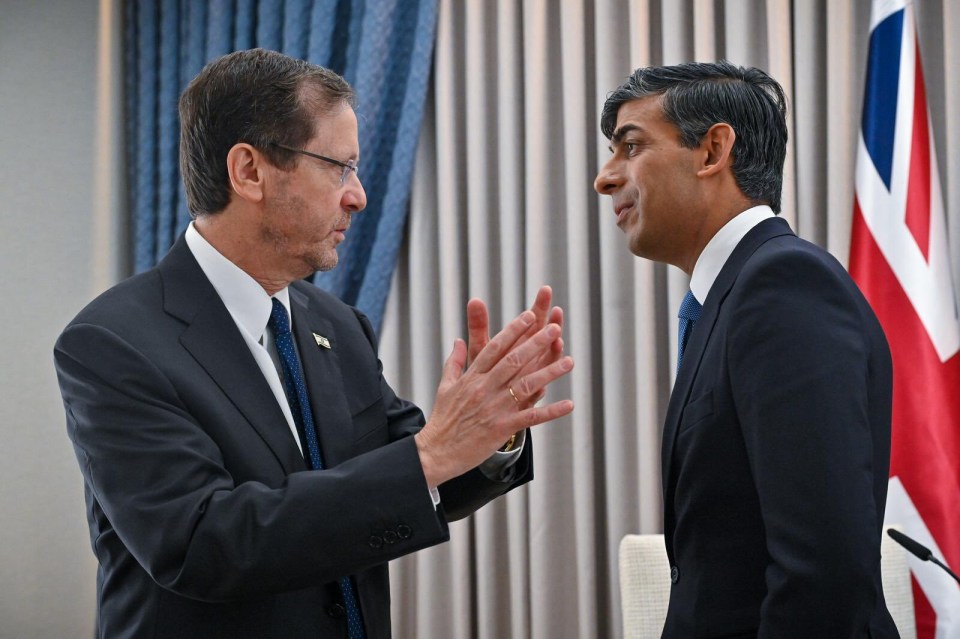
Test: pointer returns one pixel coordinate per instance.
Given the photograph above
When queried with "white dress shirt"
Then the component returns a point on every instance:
(250, 307)
(717, 251)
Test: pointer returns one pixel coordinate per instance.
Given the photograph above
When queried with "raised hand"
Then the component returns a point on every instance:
(478, 331)
(475, 410)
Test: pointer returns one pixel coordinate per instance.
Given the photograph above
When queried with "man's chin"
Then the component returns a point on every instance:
(638, 247)
(326, 262)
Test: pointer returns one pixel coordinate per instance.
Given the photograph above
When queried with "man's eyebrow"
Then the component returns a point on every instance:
(620, 133)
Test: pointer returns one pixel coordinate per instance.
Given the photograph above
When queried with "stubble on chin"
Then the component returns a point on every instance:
(303, 258)
(310, 258)
(327, 260)
(327, 257)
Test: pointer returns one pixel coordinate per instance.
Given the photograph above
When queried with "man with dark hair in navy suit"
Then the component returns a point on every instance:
(776, 446)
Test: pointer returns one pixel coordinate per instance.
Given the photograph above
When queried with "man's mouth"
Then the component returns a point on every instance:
(622, 210)
(340, 233)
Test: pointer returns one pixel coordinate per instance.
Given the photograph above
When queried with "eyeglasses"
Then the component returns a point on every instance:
(348, 166)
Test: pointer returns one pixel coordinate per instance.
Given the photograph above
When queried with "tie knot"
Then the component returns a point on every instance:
(690, 308)
(279, 320)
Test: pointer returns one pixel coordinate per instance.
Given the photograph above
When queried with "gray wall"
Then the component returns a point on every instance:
(58, 248)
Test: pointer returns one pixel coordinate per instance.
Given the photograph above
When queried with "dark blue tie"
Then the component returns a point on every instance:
(690, 310)
(300, 407)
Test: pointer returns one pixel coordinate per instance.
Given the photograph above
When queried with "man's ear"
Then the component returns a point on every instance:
(718, 144)
(245, 168)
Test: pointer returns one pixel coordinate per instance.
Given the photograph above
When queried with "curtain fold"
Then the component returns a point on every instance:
(382, 47)
(502, 202)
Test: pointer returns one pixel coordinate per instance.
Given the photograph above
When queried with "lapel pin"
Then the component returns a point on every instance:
(321, 340)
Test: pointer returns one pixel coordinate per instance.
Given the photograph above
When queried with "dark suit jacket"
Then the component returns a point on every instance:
(776, 452)
(203, 515)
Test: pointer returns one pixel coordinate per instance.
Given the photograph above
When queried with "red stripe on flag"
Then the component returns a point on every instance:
(918, 186)
(923, 612)
(925, 437)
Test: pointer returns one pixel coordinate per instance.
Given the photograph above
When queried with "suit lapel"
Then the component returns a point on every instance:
(701, 335)
(321, 366)
(212, 338)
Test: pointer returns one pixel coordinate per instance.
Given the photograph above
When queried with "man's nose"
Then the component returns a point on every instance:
(354, 197)
(608, 180)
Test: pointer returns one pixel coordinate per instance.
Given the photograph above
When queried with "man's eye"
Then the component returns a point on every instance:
(631, 148)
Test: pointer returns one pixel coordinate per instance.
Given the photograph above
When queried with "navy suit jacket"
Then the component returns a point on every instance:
(776, 452)
(202, 513)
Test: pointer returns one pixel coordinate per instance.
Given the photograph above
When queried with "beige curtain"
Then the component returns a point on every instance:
(503, 202)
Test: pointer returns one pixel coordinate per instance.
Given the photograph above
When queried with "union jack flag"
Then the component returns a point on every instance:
(899, 257)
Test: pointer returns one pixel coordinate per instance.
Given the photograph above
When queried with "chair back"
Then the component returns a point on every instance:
(897, 586)
(644, 585)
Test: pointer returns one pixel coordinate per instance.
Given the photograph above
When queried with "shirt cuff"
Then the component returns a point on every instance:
(499, 466)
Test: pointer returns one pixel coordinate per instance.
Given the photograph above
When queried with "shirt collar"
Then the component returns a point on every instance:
(245, 299)
(720, 246)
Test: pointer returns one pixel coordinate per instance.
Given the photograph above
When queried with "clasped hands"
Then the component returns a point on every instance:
(489, 388)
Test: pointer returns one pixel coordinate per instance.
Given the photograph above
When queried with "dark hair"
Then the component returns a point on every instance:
(256, 96)
(697, 95)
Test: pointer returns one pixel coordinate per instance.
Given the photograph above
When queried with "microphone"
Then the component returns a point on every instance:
(919, 550)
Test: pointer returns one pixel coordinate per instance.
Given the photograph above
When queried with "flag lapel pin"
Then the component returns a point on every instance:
(321, 340)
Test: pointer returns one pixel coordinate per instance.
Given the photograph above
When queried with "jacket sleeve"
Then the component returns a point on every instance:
(805, 364)
(159, 487)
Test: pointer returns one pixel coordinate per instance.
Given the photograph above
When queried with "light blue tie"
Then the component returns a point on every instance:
(690, 310)
(300, 407)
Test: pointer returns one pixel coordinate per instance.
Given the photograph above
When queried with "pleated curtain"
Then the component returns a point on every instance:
(382, 47)
(503, 202)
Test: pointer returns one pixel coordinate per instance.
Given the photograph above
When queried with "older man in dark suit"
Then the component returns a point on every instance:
(248, 471)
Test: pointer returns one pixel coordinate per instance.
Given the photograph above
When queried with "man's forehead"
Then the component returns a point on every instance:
(627, 121)
(646, 109)
(642, 114)
(337, 127)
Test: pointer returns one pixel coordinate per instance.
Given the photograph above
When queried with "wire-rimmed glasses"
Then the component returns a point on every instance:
(348, 166)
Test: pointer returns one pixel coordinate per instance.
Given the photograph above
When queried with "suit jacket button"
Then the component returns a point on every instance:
(674, 574)
(390, 537)
(404, 531)
(375, 541)
(337, 611)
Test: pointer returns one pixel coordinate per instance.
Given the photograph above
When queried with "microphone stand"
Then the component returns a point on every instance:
(919, 550)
